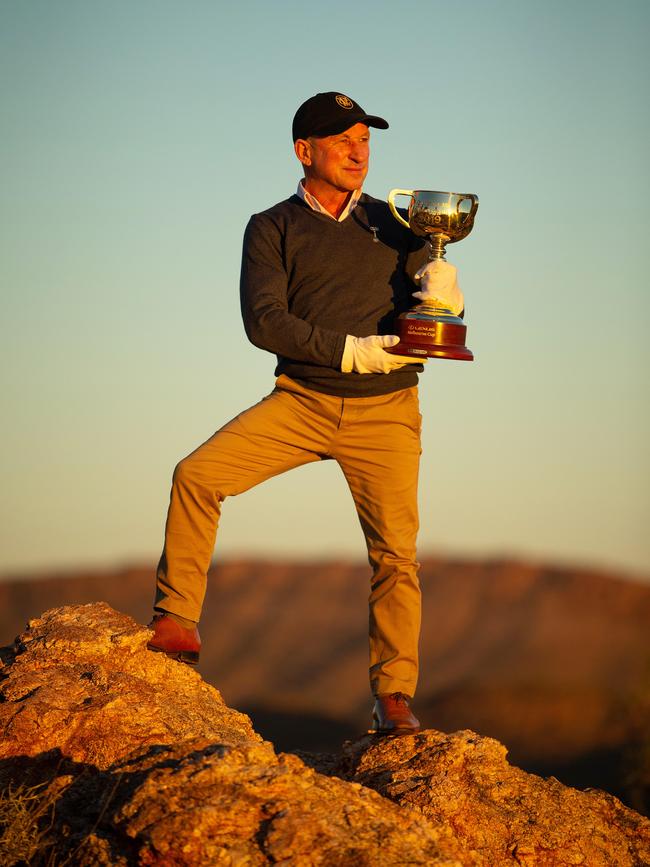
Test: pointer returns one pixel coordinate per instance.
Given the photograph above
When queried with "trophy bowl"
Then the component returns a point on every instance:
(442, 218)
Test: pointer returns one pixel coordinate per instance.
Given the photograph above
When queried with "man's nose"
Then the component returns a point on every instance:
(359, 152)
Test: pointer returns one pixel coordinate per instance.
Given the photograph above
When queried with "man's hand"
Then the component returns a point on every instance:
(366, 354)
(438, 284)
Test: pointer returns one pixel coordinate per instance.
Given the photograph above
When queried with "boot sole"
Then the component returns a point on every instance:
(189, 657)
(395, 732)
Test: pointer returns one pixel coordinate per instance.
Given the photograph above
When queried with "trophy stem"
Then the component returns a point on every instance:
(437, 242)
(429, 308)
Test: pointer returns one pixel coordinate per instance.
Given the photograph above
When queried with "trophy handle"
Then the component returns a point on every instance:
(474, 201)
(393, 209)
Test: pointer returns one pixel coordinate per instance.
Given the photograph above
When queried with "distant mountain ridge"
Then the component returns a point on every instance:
(555, 662)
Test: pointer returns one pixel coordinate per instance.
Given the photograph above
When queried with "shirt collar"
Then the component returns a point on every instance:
(315, 205)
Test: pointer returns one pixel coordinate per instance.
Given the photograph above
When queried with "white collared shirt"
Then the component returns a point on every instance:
(315, 205)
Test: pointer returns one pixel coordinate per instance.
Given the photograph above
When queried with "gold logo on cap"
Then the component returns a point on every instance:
(344, 101)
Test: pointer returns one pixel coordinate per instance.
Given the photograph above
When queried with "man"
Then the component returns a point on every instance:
(323, 276)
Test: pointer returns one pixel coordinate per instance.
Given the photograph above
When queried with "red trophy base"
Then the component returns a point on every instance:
(434, 332)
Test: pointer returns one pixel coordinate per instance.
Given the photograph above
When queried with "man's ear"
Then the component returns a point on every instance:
(303, 151)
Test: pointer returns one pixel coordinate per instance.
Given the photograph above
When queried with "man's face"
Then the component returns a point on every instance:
(339, 161)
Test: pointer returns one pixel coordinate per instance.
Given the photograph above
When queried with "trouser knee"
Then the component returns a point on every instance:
(185, 475)
(181, 473)
(190, 478)
(389, 565)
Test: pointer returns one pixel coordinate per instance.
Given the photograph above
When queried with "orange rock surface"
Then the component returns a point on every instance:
(151, 767)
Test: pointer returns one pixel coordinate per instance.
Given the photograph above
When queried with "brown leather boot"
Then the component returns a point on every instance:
(392, 715)
(174, 640)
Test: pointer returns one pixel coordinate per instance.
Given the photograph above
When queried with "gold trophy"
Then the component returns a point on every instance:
(442, 218)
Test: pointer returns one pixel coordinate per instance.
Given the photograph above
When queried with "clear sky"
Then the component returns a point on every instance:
(137, 139)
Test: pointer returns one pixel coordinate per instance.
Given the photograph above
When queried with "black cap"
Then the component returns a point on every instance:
(330, 113)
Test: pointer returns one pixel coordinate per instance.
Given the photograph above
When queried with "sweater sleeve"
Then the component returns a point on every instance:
(264, 302)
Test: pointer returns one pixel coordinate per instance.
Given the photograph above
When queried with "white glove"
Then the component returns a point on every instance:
(366, 354)
(438, 284)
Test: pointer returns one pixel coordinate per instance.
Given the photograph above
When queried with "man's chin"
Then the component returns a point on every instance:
(352, 184)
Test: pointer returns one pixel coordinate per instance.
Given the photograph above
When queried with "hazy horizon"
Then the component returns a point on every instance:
(81, 569)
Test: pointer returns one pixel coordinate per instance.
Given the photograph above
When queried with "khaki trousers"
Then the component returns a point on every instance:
(376, 441)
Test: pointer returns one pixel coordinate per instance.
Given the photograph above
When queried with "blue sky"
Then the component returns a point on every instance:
(137, 140)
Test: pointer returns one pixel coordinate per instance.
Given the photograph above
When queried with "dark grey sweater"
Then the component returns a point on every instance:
(308, 280)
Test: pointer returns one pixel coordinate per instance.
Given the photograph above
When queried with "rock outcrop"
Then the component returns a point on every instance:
(494, 813)
(145, 764)
(552, 660)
